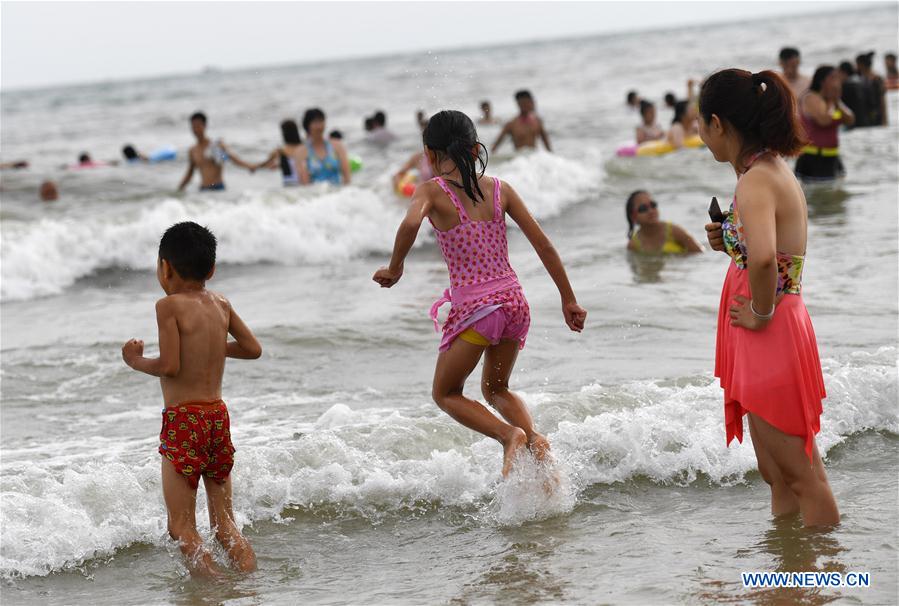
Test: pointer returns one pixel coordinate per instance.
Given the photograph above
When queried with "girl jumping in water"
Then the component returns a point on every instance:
(489, 313)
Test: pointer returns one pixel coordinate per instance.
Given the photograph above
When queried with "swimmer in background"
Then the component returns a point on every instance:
(48, 191)
(421, 119)
(335, 135)
(321, 159)
(379, 134)
(649, 130)
(208, 157)
(789, 65)
(486, 114)
(670, 100)
(889, 63)
(684, 124)
(525, 127)
(286, 156)
(874, 89)
(633, 100)
(417, 161)
(653, 235)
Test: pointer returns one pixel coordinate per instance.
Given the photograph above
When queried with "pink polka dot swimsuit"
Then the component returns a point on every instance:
(481, 279)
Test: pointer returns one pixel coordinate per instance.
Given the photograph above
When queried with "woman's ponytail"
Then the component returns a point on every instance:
(761, 107)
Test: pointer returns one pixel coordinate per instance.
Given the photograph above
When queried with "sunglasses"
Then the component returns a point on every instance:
(645, 207)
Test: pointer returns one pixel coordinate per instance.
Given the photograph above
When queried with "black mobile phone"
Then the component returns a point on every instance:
(715, 213)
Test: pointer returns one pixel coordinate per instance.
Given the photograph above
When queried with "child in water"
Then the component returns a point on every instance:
(489, 314)
(195, 440)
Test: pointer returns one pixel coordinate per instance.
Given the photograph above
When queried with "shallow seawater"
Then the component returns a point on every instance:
(351, 485)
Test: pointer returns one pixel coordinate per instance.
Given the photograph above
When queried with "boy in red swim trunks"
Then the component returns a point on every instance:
(195, 441)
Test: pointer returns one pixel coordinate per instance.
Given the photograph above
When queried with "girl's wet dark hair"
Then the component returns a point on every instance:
(451, 134)
(290, 133)
(645, 106)
(820, 76)
(629, 210)
(311, 116)
(760, 107)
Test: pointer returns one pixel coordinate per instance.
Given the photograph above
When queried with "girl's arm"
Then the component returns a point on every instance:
(575, 315)
(302, 168)
(419, 208)
(757, 213)
(816, 108)
(676, 135)
(234, 158)
(267, 162)
(344, 160)
(682, 237)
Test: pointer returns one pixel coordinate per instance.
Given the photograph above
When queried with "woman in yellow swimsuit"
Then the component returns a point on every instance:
(654, 236)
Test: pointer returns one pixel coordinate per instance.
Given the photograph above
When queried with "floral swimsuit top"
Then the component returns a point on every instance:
(789, 267)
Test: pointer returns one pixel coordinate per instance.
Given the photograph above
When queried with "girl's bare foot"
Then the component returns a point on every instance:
(539, 446)
(511, 445)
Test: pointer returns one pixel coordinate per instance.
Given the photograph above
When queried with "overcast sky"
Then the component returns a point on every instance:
(46, 43)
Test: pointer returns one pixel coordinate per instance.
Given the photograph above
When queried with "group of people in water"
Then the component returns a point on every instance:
(832, 98)
(766, 353)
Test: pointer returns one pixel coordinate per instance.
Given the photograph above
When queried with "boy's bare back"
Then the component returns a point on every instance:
(199, 321)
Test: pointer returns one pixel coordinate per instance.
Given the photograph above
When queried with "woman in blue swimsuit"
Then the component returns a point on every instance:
(321, 160)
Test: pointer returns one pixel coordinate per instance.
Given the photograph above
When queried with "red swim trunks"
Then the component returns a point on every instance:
(196, 438)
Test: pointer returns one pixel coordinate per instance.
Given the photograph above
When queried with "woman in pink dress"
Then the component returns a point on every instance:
(766, 356)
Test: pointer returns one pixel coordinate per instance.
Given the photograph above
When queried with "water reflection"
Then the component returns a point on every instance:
(788, 547)
(646, 267)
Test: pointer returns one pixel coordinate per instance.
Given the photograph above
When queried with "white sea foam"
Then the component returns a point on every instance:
(59, 511)
(315, 225)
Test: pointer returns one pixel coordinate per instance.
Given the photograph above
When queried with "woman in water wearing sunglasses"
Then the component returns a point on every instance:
(654, 236)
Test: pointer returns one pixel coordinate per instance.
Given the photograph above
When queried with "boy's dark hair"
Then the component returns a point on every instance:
(290, 133)
(190, 250)
(629, 210)
(452, 134)
(369, 124)
(335, 134)
(485, 104)
(631, 96)
(847, 68)
(198, 116)
(523, 94)
(645, 106)
(670, 99)
(311, 115)
(129, 152)
(788, 52)
(820, 76)
(380, 118)
(890, 56)
(84, 158)
(760, 107)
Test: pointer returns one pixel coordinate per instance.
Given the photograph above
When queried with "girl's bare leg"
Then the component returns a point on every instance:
(453, 368)
(499, 360)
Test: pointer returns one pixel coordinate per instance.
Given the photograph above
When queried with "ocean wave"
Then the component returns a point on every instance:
(313, 225)
(380, 462)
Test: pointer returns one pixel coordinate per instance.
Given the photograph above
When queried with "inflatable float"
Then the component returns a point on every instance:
(163, 154)
(656, 148)
(406, 185)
